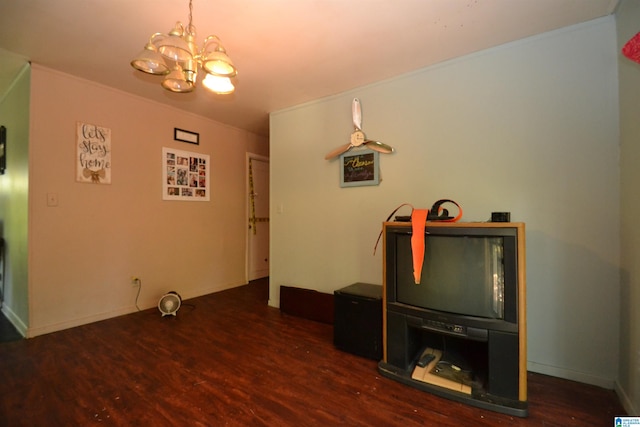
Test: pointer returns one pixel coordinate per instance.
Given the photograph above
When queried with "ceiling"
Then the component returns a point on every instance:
(287, 52)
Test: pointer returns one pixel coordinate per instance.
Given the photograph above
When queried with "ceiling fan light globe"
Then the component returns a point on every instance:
(176, 81)
(155, 68)
(150, 61)
(217, 84)
(215, 60)
(177, 86)
(176, 51)
(175, 46)
(219, 64)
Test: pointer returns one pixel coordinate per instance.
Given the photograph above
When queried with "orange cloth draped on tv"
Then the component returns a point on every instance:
(418, 223)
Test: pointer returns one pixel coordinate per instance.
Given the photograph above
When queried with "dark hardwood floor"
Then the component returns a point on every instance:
(229, 359)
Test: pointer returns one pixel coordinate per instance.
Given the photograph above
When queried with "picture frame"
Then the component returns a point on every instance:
(3, 149)
(359, 168)
(186, 175)
(186, 136)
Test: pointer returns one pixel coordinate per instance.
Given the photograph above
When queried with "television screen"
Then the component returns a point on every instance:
(460, 274)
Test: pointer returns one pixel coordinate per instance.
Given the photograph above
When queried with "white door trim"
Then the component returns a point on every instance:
(247, 212)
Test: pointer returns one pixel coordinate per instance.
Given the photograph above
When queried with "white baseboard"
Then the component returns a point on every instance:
(210, 290)
(15, 320)
(72, 323)
(625, 400)
(568, 374)
(146, 304)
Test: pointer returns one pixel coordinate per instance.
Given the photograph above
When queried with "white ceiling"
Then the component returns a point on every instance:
(287, 51)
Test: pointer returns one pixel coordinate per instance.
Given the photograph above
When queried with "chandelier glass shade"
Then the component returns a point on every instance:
(176, 56)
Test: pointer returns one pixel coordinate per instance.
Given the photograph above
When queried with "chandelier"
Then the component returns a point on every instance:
(177, 57)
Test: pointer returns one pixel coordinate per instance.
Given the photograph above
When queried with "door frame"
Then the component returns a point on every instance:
(247, 210)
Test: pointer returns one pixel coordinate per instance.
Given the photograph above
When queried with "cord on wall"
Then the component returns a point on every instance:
(139, 282)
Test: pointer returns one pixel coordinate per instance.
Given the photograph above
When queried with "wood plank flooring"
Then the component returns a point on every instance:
(228, 359)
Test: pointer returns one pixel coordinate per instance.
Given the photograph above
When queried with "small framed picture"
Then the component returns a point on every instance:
(186, 136)
(359, 168)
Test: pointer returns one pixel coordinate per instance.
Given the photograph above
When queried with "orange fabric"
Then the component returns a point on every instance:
(418, 224)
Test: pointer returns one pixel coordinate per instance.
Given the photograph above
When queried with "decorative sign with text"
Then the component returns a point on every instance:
(359, 167)
(93, 162)
(185, 175)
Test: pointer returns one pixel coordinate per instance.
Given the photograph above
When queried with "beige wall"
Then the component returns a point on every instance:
(628, 17)
(14, 191)
(83, 252)
(530, 127)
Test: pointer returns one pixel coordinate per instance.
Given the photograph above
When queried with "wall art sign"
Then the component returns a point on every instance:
(93, 154)
(186, 136)
(360, 167)
(185, 175)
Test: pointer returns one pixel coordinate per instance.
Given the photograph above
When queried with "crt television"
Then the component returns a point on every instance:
(469, 274)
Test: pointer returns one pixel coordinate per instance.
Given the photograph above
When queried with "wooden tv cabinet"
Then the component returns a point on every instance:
(496, 358)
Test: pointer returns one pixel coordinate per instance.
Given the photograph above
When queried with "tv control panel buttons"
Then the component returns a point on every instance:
(447, 327)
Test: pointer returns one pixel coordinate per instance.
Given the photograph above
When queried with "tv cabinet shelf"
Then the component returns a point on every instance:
(477, 361)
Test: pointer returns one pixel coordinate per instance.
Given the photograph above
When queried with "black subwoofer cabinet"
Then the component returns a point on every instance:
(357, 327)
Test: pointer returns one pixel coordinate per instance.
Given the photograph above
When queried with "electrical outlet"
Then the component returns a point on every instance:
(135, 281)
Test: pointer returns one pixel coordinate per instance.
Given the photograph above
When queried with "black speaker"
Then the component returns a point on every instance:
(503, 364)
(357, 326)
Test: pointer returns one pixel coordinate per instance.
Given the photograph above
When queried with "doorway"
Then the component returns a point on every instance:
(258, 215)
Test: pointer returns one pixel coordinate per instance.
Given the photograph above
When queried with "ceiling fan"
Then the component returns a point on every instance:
(357, 136)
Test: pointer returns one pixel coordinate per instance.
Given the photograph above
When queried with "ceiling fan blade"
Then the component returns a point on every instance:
(379, 146)
(356, 112)
(338, 151)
